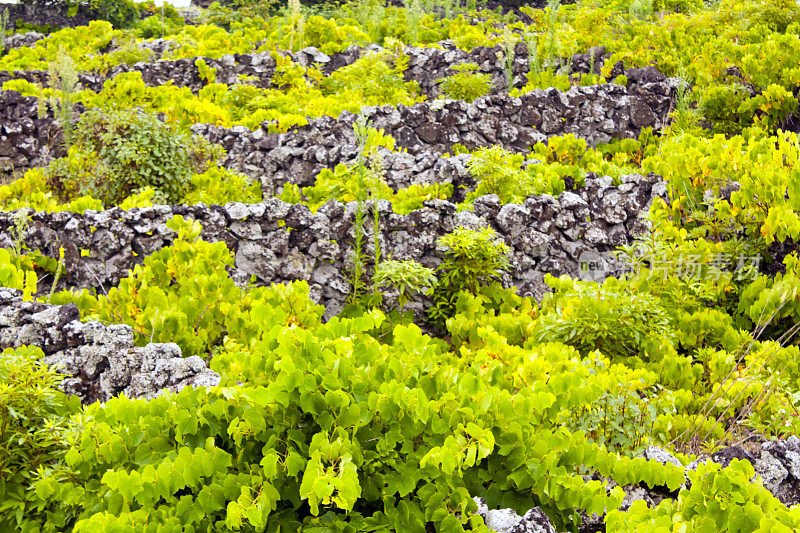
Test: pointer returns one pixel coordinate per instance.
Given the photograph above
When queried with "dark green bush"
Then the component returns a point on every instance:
(722, 104)
(134, 150)
(120, 13)
(22, 26)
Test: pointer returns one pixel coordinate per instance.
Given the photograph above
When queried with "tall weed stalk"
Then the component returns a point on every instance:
(414, 13)
(534, 60)
(64, 82)
(509, 43)
(297, 23)
(359, 260)
(553, 7)
(3, 30)
(376, 171)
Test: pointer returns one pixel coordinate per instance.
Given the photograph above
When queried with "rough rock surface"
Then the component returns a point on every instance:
(44, 13)
(430, 129)
(99, 361)
(427, 66)
(426, 130)
(26, 140)
(19, 40)
(779, 467)
(280, 242)
(508, 521)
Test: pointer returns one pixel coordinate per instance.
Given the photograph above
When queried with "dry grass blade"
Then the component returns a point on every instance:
(692, 442)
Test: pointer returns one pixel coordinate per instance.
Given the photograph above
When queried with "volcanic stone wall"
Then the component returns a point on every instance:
(280, 242)
(42, 13)
(180, 72)
(18, 40)
(26, 140)
(426, 130)
(429, 130)
(426, 66)
(99, 361)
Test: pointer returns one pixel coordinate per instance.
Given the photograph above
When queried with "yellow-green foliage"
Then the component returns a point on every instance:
(32, 191)
(213, 186)
(33, 419)
(83, 43)
(207, 40)
(208, 74)
(544, 80)
(180, 294)
(335, 388)
(765, 167)
(466, 84)
(15, 275)
(286, 373)
(709, 504)
(363, 423)
(341, 184)
(219, 186)
(375, 79)
(500, 172)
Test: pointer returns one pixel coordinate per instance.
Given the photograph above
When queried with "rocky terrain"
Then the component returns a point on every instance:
(48, 14)
(542, 401)
(426, 130)
(427, 66)
(279, 242)
(98, 361)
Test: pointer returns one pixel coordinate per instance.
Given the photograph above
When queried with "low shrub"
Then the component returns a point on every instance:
(606, 318)
(133, 150)
(466, 83)
(33, 415)
(182, 294)
(473, 259)
(120, 13)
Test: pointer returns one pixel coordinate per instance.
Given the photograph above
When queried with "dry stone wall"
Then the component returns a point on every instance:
(231, 68)
(26, 140)
(429, 130)
(44, 13)
(18, 40)
(426, 130)
(426, 66)
(99, 361)
(279, 242)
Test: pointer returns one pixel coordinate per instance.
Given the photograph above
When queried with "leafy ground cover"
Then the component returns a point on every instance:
(366, 422)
